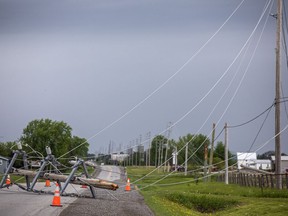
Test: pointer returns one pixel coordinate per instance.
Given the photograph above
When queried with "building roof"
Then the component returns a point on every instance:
(246, 156)
(283, 158)
(263, 161)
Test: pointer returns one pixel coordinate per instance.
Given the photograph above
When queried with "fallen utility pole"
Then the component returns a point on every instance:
(98, 183)
(256, 170)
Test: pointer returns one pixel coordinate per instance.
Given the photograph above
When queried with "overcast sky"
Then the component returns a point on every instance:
(114, 70)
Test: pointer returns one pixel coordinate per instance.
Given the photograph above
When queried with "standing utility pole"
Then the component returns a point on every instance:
(169, 128)
(277, 99)
(155, 160)
(186, 158)
(226, 155)
(205, 160)
(211, 151)
(159, 152)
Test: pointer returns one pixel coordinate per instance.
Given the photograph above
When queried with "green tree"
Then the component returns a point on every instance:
(82, 151)
(180, 145)
(266, 155)
(158, 149)
(199, 142)
(219, 152)
(6, 149)
(196, 145)
(56, 134)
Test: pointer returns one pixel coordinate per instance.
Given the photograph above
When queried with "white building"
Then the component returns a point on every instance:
(284, 163)
(263, 164)
(118, 157)
(247, 159)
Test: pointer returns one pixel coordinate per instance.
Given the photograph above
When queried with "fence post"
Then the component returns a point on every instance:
(246, 180)
(262, 183)
(272, 182)
(259, 181)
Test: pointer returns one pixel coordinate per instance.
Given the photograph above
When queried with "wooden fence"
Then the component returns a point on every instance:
(255, 179)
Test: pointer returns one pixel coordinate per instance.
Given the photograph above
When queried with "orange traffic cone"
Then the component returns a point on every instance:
(47, 183)
(127, 188)
(8, 181)
(56, 199)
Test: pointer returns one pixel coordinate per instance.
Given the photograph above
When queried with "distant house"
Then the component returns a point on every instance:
(3, 164)
(118, 157)
(284, 163)
(264, 165)
(246, 159)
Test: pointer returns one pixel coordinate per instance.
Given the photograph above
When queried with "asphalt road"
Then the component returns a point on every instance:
(109, 173)
(15, 201)
(110, 203)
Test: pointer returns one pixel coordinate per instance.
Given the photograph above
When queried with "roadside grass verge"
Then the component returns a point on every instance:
(171, 196)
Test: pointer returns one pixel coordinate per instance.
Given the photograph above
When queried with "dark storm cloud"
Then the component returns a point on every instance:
(89, 62)
(110, 16)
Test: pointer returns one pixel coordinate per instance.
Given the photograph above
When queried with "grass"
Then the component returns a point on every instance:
(199, 198)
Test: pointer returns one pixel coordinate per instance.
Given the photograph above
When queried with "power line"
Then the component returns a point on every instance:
(259, 130)
(265, 8)
(251, 120)
(163, 84)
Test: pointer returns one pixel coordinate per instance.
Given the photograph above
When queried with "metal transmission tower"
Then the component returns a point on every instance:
(136, 155)
(148, 150)
(110, 147)
(16, 153)
(132, 158)
(141, 151)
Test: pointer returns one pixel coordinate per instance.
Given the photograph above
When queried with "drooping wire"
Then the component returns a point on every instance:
(259, 130)
(251, 120)
(265, 8)
(162, 85)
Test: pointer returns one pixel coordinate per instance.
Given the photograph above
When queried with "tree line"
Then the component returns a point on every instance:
(40, 133)
(161, 150)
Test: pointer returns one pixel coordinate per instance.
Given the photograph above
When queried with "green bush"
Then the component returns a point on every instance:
(202, 203)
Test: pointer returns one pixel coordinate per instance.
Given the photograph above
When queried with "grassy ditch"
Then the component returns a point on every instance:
(188, 195)
(202, 203)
